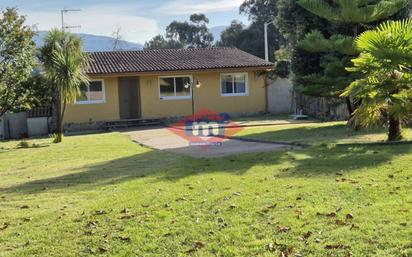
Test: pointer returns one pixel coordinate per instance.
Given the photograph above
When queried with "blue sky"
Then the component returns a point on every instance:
(139, 20)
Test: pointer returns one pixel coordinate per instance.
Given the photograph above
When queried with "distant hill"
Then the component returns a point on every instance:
(216, 31)
(94, 43)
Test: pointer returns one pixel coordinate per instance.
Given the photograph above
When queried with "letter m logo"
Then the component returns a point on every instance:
(205, 129)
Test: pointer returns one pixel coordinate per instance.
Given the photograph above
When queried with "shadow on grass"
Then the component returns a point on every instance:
(321, 161)
(157, 165)
(314, 134)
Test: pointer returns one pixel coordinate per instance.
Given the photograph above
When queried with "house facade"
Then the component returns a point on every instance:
(161, 83)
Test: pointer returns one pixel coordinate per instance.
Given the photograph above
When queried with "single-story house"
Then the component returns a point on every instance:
(155, 84)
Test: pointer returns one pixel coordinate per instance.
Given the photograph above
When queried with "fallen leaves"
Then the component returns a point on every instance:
(267, 209)
(347, 180)
(197, 246)
(100, 212)
(181, 199)
(5, 226)
(329, 215)
(285, 250)
(283, 229)
(307, 235)
(336, 246)
(222, 223)
(341, 223)
(102, 249)
(125, 211)
(92, 225)
(125, 239)
(126, 214)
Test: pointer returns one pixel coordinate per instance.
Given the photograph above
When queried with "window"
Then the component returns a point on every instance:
(92, 93)
(174, 87)
(234, 84)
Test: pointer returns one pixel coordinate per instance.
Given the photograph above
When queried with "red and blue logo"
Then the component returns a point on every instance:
(206, 128)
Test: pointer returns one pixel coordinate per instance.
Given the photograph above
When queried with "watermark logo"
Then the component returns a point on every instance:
(206, 128)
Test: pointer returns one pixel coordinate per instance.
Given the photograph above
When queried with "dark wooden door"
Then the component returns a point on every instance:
(129, 98)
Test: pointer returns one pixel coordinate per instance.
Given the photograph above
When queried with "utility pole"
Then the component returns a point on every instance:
(65, 11)
(266, 40)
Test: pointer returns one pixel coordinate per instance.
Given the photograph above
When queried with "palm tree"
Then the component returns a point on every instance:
(354, 15)
(65, 64)
(385, 86)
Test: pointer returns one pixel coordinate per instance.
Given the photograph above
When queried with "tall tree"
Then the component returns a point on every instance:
(17, 58)
(251, 38)
(38, 92)
(159, 42)
(193, 33)
(385, 85)
(259, 11)
(336, 49)
(231, 35)
(65, 64)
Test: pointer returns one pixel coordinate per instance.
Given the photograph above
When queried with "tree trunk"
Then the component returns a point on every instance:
(59, 132)
(349, 106)
(394, 128)
(352, 119)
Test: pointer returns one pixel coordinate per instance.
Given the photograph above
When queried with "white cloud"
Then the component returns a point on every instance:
(181, 7)
(99, 20)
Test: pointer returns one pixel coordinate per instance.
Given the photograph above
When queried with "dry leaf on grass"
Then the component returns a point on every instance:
(100, 212)
(336, 246)
(197, 246)
(5, 226)
(125, 239)
(307, 235)
(283, 229)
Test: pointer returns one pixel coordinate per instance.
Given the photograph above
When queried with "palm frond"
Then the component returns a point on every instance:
(353, 11)
(385, 63)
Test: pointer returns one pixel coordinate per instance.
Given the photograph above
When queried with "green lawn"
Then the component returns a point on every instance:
(318, 133)
(106, 196)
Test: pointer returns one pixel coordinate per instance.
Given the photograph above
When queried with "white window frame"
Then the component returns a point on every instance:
(95, 101)
(175, 97)
(233, 84)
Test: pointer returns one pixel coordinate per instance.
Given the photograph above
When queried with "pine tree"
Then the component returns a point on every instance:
(352, 17)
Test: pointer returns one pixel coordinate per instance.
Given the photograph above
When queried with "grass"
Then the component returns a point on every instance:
(102, 195)
(318, 133)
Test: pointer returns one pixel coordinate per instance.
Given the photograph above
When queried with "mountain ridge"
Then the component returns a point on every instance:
(95, 43)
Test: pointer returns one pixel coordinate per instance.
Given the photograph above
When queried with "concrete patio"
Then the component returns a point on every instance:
(162, 138)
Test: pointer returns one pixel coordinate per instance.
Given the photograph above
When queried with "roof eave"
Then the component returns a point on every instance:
(136, 73)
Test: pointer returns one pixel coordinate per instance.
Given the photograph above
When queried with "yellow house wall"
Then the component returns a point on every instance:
(207, 96)
(78, 113)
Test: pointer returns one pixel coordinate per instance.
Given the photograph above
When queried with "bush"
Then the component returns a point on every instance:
(24, 144)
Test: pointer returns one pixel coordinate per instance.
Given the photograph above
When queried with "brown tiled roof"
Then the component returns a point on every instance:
(172, 60)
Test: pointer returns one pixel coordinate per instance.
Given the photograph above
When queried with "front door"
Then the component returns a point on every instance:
(129, 98)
